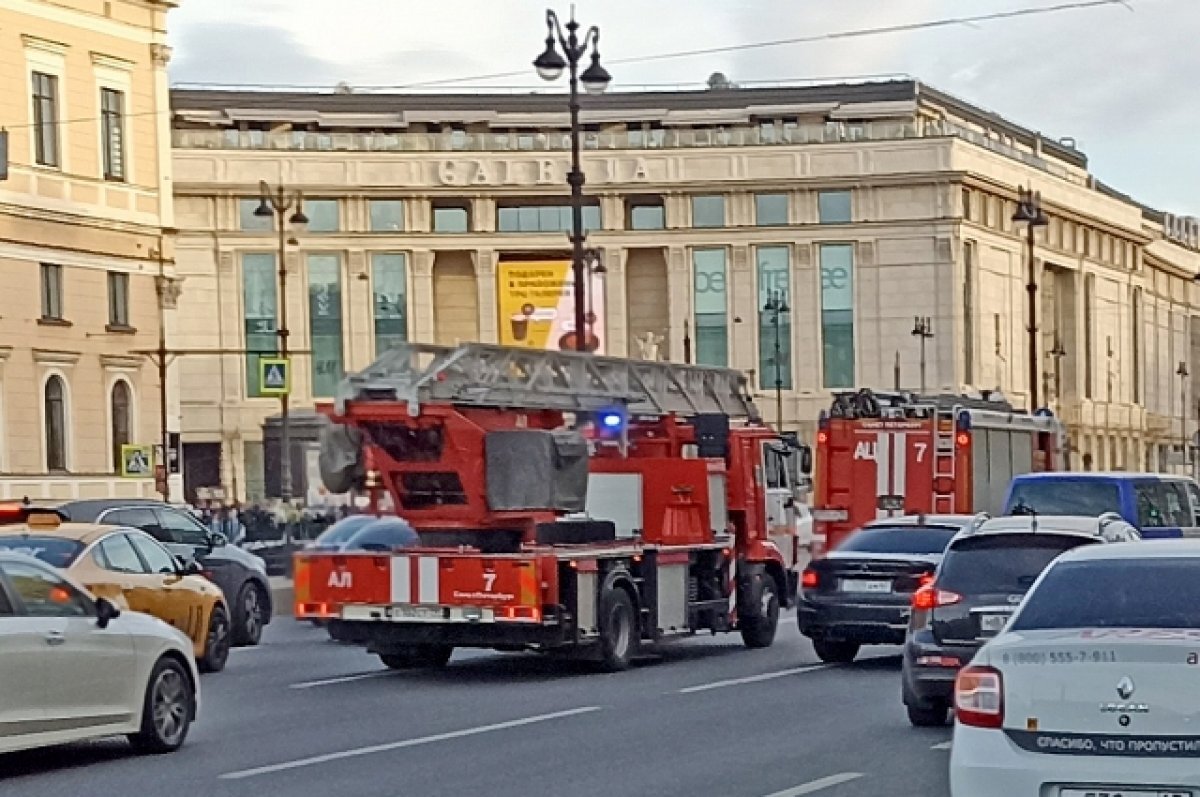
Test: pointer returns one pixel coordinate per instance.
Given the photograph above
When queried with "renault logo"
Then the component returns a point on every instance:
(1125, 688)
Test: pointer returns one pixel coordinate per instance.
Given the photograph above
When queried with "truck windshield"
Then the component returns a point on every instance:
(1063, 497)
(920, 540)
(54, 551)
(1002, 563)
(1138, 593)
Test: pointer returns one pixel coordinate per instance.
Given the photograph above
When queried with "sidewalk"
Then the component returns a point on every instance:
(281, 595)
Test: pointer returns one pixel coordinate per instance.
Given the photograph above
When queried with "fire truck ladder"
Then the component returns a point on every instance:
(944, 458)
(483, 375)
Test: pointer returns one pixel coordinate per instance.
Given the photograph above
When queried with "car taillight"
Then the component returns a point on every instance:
(810, 579)
(979, 697)
(925, 580)
(930, 597)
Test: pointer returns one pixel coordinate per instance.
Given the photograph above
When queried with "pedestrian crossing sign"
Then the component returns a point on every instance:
(136, 461)
(274, 376)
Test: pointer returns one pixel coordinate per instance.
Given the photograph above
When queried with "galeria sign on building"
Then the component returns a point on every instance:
(536, 306)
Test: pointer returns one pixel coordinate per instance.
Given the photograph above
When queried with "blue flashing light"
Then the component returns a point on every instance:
(611, 420)
(964, 421)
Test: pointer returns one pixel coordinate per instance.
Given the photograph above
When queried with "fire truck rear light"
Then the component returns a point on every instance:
(320, 610)
(964, 439)
(810, 579)
(520, 614)
(822, 437)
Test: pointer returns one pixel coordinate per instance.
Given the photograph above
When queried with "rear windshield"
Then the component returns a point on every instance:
(54, 551)
(898, 539)
(1064, 497)
(1001, 563)
(1138, 593)
(1162, 504)
(343, 530)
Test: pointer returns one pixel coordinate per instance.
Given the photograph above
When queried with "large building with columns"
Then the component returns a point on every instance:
(436, 218)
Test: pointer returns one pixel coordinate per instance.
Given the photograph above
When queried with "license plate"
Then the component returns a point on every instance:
(992, 623)
(413, 613)
(1119, 792)
(866, 585)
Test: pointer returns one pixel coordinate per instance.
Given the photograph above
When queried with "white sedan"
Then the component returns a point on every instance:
(1093, 689)
(75, 668)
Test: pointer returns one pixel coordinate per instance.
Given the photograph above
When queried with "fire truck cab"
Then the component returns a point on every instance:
(886, 454)
(564, 502)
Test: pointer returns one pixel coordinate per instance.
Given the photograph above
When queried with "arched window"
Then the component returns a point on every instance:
(56, 424)
(122, 420)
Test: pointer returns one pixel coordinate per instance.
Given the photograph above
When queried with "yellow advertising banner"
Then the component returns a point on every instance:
(536, 301)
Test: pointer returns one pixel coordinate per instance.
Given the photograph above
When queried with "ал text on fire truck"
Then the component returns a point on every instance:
(886, 454)
(565, 503)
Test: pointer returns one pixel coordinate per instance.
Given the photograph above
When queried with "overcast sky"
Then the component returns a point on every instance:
(1123, 81)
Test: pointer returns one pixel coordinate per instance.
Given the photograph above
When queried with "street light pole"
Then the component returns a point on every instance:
(1029, 212)
(923, 329)
(595, 79)
(777, 306)
(1182, 373)
(1057, 353)
(168, 293)
(276, 204)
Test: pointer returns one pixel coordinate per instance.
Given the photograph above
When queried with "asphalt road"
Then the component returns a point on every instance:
(303, 716)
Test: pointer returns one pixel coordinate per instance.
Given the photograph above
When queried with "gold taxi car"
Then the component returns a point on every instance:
(134, 571)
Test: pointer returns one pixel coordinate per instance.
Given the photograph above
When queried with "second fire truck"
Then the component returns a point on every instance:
(885, 454)
(565, 503)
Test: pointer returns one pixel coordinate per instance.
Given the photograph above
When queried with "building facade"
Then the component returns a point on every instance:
(86, 267)
(442, 218)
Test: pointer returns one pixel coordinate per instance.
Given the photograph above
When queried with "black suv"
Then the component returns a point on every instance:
(242, 576)
(983, 577)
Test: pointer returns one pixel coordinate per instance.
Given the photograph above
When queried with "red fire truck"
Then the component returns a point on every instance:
(564, 502)
(885, 454)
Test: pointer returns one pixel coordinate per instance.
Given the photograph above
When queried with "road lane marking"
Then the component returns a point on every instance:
(753, 679)
(942, 745)
(814, 786)
(341, 679)
(383, 748)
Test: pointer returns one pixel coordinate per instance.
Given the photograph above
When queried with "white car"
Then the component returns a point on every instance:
(74, 667)
(1093, 689)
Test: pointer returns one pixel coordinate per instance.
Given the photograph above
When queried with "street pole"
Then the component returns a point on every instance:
(276, 204)
(595, 80)
(776, 304)
(1182, 373)
(161, 362)
(687, 342)
(1057, 353)
(923, 329)
(1029, 212)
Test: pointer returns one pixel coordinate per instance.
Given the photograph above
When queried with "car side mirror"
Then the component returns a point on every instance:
(188, 567)
(106, 612)
(806, 460)
(789, 503)
(216, 540)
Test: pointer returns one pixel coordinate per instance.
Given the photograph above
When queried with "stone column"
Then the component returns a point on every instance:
(743, 301)
(485, 282)
(679, 289)
(422, 300)
(483, 214)
(612, 212)
(359, 310)
(616, 303)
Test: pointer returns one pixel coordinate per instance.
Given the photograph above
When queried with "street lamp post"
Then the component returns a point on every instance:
(923, 329)
(1057, 353)
(595, 267)
(277, 203)
(777, 306)
(595, 79)
(1183, 374)
(1029, 212)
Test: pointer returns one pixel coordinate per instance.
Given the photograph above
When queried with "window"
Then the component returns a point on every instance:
(647, 214)
(43, 593)
(833, 207)
(921, 540)
(179, 528)
(708, 211)
(325, 322)
(56, 424)
(141, 518)
(121, 421)
(54, 551)
(770, 209)
(1162, 504)
(389, 282)
(112, 132)
(52, 292)
(154, 555)
(248, 222)
(259, 294)
(837, 314)
(451, 219)
(773, 284)
(1000, 564)
(544, 218)
(120, 555)
(45, 119)
(387, 215)
(969, 312)
(118, 299)
(966, 205)
(322, 215)
(1064, 497)
(712, 330)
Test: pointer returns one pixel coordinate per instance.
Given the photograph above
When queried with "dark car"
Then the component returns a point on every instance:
(861, 592)
(242, 576)
(336, 536)
(379, 534)
(983, 577)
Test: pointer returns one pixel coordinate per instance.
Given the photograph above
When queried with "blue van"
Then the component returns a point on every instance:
(1160, 505)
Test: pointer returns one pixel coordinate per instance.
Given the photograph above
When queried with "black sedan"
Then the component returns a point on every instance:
(860, 593)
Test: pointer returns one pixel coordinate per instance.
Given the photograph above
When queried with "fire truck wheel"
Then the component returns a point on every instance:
(758, 631)
(835, 652)
(618, 632)
(418, 657)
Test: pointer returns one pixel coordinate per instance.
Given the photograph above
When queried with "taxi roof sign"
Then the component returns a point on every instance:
(274, 376)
